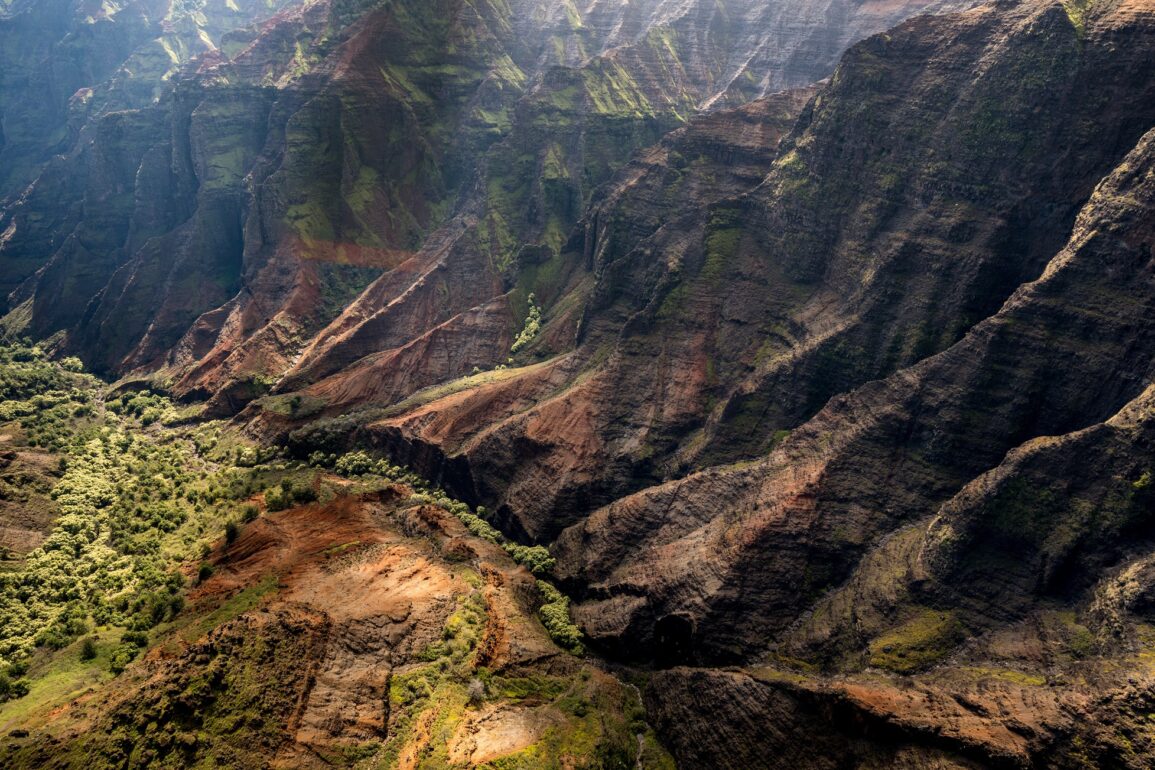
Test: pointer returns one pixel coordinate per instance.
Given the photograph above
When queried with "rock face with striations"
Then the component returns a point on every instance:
(72, 75)
(851, 378)
(964, 308)
(889, 226)
(251, 194)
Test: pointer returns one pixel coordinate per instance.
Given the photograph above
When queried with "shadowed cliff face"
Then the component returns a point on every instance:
(249, 198)
(1016, 597)
(923, 432)
(978, 524)
(65, 69)
(993, 303)
(889, 226)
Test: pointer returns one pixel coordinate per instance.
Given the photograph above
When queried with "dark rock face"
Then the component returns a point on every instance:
(1043, 560)
(71, 78)
(925, 431)
(795, 727)
(953, 722)
(938, 232)
(262, 168)
(888, 227)
(547, 134)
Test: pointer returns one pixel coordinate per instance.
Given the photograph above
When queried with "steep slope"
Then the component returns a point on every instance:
(259, 194)
(1065, 352)
(711, 157)
(727, 564)
(565, 134)
(350, 616)
(1028, 599)
(706, 340)
(1042, 562)
(847, 388)
(64, 67)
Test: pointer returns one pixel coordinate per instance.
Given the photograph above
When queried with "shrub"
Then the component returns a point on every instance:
(355, 464)
(121, 657)
(204, 572)
(288, 494)
(532, 327)
(304, 494)
(275, 500)
(319, 459)
(134, 638)
(52, 638)
(11, 689)
(88, 648)
(480, 527)
(554, 614)
(330, 434)
(71, 623)
(536, 557)
(232, 530)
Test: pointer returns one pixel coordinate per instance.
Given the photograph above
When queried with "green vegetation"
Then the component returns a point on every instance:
(531, 329)
(141, 499)
(52, 677)
(359, 464)
(287, 494)
(296, 405)
(1013, 676)
(722, 240)
(612, 90)
(555, 616)
(138, 496)
(593, 720)
(923, 640)
(1077, 12)
(189, 630)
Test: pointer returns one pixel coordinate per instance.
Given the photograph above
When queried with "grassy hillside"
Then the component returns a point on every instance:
(179, 583)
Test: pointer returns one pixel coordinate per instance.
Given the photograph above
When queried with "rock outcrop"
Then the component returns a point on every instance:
(371, 626)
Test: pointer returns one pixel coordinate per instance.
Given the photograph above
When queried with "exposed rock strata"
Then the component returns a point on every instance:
(256, 195)
(888, 228)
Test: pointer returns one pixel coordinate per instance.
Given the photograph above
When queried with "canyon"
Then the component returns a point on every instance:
(800, 355)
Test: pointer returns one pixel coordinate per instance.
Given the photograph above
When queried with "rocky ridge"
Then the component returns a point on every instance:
(332, 634)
